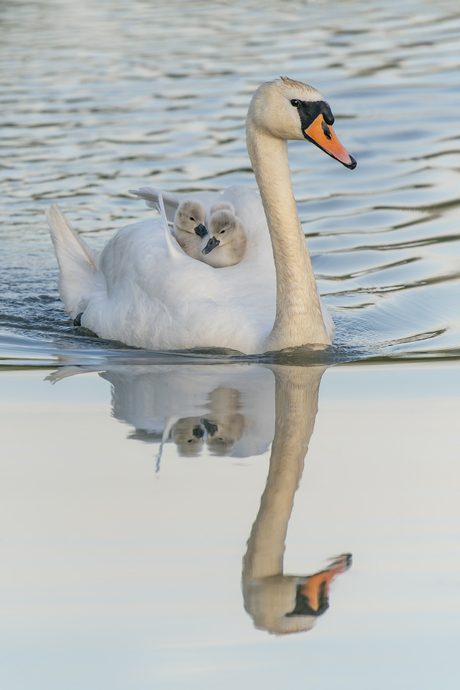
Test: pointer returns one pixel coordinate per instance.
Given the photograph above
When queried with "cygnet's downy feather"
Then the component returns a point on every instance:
(189, 228)
(222, 206)
(228, 242)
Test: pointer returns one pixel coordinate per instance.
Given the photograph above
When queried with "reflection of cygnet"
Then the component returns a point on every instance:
(189, 229)
(188, 435)
(224, 425)
(227, 244)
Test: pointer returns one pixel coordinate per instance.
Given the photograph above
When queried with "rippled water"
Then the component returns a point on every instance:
(131, 494)
(98, 99)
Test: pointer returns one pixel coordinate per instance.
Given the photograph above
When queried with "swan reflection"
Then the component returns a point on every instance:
(282, 603)
(228, 409)
(237, 411)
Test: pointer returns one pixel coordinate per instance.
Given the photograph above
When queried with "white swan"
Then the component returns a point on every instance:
(227, 243)
(145, 292)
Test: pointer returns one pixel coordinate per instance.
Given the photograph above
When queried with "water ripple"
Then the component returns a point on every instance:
(102, 97)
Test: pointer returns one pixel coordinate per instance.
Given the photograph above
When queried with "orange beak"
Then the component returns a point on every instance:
(321, 134)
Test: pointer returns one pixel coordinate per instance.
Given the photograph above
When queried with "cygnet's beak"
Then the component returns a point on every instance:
(322, 134)
(198, 432)
(212, 244)
(209, 426)
(201, 230)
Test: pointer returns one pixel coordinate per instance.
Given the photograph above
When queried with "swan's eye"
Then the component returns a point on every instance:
(192, 219)
(295, 103)
(222, 232)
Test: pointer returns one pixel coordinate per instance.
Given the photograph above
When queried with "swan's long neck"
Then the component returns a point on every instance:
(296, 407)
(298, 313)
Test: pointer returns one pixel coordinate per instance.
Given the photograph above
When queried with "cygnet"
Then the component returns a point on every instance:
(227, 244)
(189, 228)
(222, 206)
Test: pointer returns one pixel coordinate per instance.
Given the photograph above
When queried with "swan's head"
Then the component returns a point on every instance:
(191, 217)
(284, 604)
(225, 228)
(288, 109)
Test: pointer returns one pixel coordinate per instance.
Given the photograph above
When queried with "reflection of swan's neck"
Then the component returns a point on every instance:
(298, 313)
(296, 407)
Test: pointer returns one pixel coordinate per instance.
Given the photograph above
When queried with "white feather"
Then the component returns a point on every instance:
(80, 278)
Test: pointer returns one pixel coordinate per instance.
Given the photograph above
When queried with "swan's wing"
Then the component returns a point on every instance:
(151, 197)
(248, 207)
(171, 201)
(328, 320)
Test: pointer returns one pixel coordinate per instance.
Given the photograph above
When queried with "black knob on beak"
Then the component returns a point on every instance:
(212, 244)
(201, 230)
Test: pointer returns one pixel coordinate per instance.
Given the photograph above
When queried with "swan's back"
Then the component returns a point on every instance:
(158, 299)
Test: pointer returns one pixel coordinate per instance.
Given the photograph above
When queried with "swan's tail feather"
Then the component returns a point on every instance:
(78, 263)
(151, 197)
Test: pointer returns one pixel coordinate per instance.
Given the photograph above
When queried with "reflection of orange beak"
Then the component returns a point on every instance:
(321, 134)
(312, 595)
(316, 588)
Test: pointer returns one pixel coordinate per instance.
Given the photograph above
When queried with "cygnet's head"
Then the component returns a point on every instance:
(222, 206)
(225, 228)
(188, 435)
(191, 217)
(223, 435)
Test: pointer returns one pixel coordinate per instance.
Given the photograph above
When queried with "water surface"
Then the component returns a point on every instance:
(101, 99)
(133, 557)
(142, 545)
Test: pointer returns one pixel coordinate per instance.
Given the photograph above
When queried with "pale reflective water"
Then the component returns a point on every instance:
(130, 487)
(137, 552)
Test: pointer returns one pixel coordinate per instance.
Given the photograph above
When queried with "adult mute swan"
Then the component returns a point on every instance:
(146, 292)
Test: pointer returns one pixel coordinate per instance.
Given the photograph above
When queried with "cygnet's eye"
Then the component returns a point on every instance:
(222, 232)
(295, 102)
(192, 219)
